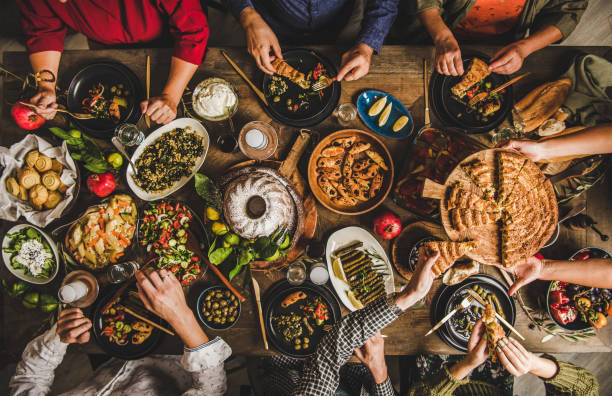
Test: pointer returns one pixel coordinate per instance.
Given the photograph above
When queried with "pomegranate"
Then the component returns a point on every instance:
(25, 117)
(101, 184)
(387, 224)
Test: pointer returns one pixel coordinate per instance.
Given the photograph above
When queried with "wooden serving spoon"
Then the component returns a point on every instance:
(484, 95)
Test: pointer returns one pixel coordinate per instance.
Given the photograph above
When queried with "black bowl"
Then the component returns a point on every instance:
(413, 256)
(303, 60)
(211, 325)
(109, 74)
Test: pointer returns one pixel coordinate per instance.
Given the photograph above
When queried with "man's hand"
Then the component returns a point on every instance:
(161, 109)
(448, 54)
(529, 148)
(372, 355)
(509, 59)
(73, 327)
(355, 62)
(525, 273)
(260, 40)
(44, 100)
(421, 280)
(161, 293)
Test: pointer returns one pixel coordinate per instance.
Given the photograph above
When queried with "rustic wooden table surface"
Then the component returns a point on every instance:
(397, 70)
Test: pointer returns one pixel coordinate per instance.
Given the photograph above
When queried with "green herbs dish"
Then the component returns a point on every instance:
(30, 252)
(170, 157)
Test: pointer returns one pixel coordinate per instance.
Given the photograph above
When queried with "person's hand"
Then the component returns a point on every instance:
(448, 55)
(260, 40)
(44, 100)
(509, 59)
(477, 345)
(73, 327)
(525, 273)
(161, 293)
(161, 109)
(423, 276)
(516, 359)
(529, 148)
(372, 355)
(355, 62)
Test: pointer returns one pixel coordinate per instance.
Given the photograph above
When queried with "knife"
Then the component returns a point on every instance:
(245, 78)
(258, 302)
(464, 304)
(497, 315)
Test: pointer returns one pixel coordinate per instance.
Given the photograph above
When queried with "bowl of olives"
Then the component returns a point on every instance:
(218, 308)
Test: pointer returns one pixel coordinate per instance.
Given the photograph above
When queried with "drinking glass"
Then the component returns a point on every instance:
(319, 274)
(129, 135)
(346, 112)
(503, 134)
(296, 273)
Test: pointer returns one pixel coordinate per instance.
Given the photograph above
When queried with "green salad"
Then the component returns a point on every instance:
(31, 253)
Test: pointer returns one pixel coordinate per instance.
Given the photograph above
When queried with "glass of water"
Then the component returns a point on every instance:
(296, 273)
(129, 135)
(346, 113)
(503, 134)
(319, 274)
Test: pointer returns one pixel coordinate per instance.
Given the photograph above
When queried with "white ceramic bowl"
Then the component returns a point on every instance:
(19, 273)
(196, 127)
(204, 84)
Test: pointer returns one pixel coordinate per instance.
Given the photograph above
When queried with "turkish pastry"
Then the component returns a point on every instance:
(449, 253)
(477, 72)
(494, 331)
(286, 70)
(51, 180)
(43, 163)
(483, 176)
(38, 196)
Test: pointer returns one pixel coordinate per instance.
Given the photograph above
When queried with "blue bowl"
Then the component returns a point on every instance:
(208, 324)
(367, 98)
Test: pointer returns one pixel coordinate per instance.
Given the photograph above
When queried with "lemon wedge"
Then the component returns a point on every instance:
(356, 303)
(338, 271)
(384, 117)
(400, 123)
(377, 106)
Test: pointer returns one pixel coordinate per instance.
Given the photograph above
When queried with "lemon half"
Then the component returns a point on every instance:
(377, 106)
(354, 300)
(384, 117)
(400, 123)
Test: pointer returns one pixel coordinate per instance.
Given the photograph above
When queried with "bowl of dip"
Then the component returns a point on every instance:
(214, 99)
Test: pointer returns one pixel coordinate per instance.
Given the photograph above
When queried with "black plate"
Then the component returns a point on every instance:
(109, 74)
(303, 60)
(449, 296)
(272, 306)
(448, 109)
(129, 351)
(578, 324)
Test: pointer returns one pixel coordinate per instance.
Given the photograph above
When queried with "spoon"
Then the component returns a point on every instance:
(119, 147)
(483, 95)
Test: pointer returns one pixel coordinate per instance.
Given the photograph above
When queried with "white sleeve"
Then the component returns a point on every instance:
(206, 365)
(35, 372)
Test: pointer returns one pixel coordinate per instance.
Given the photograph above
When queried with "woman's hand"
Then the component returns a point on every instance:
(525, 273)
(477, 352)
(448, 54)
(73, 327)
(260, 40)
(161, 293)
(161, 109)
(516, 359)
(509, 59)
(355, 62)
(529, 148)
(372, 355)
(45, 101)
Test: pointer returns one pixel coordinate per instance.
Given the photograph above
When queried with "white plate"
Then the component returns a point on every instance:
(19, 273)
(196, 127)
(345, 237)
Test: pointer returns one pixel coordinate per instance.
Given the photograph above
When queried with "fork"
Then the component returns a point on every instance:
(466, 302)
(323, 83)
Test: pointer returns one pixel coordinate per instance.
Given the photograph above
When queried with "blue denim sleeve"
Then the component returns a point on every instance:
(236, 6)
(378, 18)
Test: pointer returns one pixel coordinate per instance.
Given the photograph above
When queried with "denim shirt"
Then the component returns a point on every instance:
(297, 17)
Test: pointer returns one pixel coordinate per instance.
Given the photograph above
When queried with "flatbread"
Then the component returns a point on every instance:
(460, 272)
(477, 71)
(449, 253)
(509, 166)
(495, 332)
(462, 219)
(483, 176)
(458, 197)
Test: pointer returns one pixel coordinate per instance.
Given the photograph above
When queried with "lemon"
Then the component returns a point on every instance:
(377, 106)
(384, 117)
(337, 268)
(212, 214)
(219, 228)
(400, 123)
(356, 303)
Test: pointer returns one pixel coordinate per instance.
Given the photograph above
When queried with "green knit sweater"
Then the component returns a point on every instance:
(570, 380)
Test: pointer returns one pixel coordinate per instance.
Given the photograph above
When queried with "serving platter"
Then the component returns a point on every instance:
(272, 306)
(196, 127)
(367, 99)
(345, 237)
(361, 207)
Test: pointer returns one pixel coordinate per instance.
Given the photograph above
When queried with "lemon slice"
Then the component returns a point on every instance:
(356, 303)
(400, 123)
(384, 117)
(338, 271)
(377, 106)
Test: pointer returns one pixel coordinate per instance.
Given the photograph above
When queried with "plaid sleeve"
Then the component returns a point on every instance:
(384, 388)
(321, 372)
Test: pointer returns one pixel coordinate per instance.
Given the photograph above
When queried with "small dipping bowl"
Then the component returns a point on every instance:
(201, 301)
(203, 85)
(258, 140)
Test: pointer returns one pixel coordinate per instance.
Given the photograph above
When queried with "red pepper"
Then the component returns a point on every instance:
(177, 224)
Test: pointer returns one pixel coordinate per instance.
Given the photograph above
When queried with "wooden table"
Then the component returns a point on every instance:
(397, 70)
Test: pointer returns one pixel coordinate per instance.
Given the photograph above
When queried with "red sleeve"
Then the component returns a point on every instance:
(189, 27)
(43, 29)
